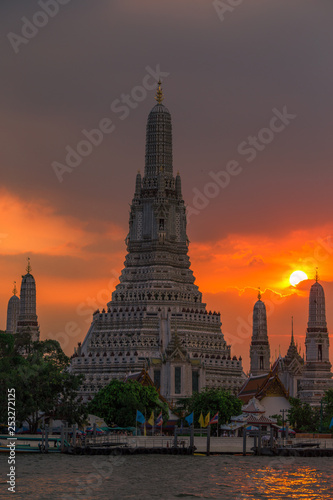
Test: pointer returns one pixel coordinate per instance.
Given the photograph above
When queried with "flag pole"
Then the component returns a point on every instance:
(144, 425)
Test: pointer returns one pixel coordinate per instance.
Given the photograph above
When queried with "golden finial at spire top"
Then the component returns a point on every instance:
(317, 275)
(14, 289)
(28, 268)
(259, 294)
(159, 94)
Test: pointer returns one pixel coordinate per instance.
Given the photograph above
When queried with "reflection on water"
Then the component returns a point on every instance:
(293, 481)
(64, 477)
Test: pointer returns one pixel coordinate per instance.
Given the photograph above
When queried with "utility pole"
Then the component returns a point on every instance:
(283, 424)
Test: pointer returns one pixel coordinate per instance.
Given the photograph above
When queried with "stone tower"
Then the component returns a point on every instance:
(13, 311)
(259, 350)
(290, 368)
(317, 376)
(27, 320)
(156, 319)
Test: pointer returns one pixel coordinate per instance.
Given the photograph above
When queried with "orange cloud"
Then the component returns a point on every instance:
(255, 260)
(35, 226)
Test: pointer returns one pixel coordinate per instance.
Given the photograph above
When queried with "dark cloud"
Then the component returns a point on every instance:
(225, 79)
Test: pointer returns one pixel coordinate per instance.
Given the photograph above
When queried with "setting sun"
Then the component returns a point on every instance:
(296, 277)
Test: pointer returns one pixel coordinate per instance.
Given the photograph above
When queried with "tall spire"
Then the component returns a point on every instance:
(27, 320)
(292, 331)
(28, 268)
(13, 311)
(158, 140)
(259, 293)
(259, 349)
(159, 93)
(317, 276)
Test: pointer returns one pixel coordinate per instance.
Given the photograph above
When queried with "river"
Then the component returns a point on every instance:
(66, 477)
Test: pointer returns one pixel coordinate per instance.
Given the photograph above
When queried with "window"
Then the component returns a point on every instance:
(195, 381)
(178, 380)
(261, 362)
(320, 352)
(161, 225)
(157, 378)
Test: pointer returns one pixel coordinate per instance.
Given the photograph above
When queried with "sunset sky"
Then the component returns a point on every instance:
(228, 78)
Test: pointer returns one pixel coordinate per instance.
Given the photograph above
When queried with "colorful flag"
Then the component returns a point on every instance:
(215, 419)
(189, 419)
(201, 420)
(207, 419)
(151, 420)
(159, 420)
(331, 424)
(140, 417)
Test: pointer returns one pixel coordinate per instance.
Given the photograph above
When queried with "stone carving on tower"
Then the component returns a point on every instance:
(27, 319)
(156, 318)
(259, 349)
(317, 375)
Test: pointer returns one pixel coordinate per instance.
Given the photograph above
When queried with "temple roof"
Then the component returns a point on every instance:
(253, 406)
(262, 385)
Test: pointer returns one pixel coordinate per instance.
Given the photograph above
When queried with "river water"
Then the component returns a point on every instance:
(66, 477)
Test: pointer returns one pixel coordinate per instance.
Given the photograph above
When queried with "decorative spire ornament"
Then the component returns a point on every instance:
(14, 289)
(317, 275)
(28, 268)
(159, 93)
(259, 294)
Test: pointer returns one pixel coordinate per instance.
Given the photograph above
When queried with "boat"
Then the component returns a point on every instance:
(25, 444)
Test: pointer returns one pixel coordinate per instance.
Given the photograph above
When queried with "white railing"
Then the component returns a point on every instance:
(137, 441)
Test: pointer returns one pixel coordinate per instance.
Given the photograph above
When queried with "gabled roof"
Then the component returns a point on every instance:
(261, 386)
(251, 387)
(253, 420)
(253, 406)
(272, 387)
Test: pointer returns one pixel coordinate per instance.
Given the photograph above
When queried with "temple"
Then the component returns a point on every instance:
(259, 350)
(13, 311)
(304, 379)
(156, 319)
(317, 375)
(21, 312)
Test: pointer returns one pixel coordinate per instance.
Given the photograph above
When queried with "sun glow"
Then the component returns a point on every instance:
(296, 277)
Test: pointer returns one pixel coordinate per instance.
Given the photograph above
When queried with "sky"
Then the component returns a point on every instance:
(249, 88)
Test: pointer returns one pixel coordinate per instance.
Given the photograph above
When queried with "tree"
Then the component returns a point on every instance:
(278, 418)
(301, 416)
(119, 401)
(327, 411)
(37, 370)
(213, 401)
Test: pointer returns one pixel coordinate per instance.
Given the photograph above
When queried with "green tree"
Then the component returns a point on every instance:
(213, 401)
(278, 418)
(118, 402)
(327, 411)
(302, 416)
(43, 386)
